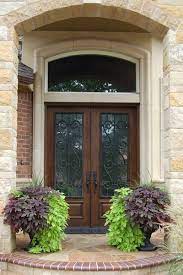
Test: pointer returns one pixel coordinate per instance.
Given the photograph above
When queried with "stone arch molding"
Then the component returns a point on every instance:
(144, 13)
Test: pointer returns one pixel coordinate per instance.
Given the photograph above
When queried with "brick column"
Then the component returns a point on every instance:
(173, 110)
(24, 134)
(8, 126)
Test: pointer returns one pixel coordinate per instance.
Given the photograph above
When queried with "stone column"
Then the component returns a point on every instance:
(8, 125)
(173, 112)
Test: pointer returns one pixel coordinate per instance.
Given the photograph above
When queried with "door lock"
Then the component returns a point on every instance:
(88, 180)
(95, 180)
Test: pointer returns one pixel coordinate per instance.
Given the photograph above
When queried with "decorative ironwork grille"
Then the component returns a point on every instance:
(68, 153)
(114, 152)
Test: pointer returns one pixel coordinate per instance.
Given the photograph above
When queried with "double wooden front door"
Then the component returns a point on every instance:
(90, 152)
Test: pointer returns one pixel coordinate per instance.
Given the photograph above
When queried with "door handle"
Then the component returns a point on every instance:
(88, 180)
(95, 181)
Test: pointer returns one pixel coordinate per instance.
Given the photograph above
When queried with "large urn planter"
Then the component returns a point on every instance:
(42, 213)
(147, 245)
(146, 206)
(134, 215)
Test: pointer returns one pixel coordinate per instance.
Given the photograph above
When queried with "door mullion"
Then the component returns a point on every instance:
(95, 166)
(90, 163)
(87, 168)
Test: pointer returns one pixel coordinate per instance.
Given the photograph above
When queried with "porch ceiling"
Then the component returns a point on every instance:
(91, 24)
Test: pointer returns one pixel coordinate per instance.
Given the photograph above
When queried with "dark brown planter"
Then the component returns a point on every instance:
(148, 246)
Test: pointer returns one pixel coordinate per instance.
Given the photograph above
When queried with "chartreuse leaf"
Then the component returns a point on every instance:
(49, 239)
(121, 232)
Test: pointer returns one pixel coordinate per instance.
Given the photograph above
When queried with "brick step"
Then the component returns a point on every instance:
(14, 269)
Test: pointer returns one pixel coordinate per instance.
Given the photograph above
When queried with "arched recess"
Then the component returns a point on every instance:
(145, 14)
(150, 131)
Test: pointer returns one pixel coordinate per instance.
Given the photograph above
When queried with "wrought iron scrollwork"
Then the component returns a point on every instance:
(114, 156)
(68, 153)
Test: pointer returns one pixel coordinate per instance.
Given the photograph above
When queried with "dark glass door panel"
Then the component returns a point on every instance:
(114, 129)
(69, 153)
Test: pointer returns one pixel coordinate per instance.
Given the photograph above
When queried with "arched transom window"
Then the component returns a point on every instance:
(92, 73)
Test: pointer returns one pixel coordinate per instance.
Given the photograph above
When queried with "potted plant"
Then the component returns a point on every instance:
(146, 207)
(40, 212)
(121, 232)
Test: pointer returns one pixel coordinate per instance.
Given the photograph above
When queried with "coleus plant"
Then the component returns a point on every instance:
(146, 207)
(27, 210)
(42, 213)
(121, 232)
(37, 191)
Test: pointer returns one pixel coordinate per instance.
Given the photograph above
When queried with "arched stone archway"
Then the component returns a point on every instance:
(34, 14)
(145, 14)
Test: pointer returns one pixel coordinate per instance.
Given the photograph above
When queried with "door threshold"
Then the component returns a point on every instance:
(86, 230)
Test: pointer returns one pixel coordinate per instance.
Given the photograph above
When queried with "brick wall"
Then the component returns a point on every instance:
(24, 134)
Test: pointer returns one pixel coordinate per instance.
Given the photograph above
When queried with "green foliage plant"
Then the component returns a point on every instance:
(37, 180)
(49, 238)
(40, 212)
(121, 232)
(16, 193)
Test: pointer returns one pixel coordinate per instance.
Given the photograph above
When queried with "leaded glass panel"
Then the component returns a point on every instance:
(114, 155)
(68, 153)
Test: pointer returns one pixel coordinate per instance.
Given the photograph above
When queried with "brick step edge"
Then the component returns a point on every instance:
(88, 266)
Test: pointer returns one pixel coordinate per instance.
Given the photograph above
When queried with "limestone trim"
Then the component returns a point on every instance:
(91, 97)
(150, 147)
(144, 13)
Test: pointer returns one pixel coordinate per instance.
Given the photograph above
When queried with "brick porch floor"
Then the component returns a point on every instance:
(89, 247)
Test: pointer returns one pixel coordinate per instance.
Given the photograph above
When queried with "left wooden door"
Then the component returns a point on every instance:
(67, 160)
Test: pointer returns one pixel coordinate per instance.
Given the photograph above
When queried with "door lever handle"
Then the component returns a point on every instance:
(88, 180)
(95, 180)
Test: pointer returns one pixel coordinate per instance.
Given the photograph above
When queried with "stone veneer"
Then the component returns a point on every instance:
(17, 17)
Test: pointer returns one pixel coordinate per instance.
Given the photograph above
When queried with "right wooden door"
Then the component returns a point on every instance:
(114, 156)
